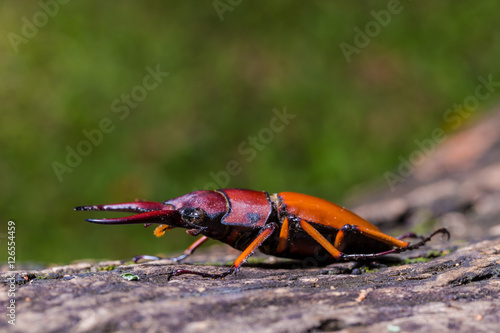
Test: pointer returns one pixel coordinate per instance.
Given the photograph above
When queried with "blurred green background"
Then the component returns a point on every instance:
(229, 67)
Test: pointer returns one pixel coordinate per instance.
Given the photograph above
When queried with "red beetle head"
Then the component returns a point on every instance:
(193, 211)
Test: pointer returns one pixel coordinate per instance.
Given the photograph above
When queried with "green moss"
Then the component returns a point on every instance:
(367, 269)
(426, 257)
(256, 260)
(50, 276)
(106, 268)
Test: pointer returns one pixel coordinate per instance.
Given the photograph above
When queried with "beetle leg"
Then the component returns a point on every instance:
(334, 250)
(186, 254)
(265, 233)
(283, 239)
(145, 257)
(320, 239)
(191, 249)
(424, 240)
(374, 234)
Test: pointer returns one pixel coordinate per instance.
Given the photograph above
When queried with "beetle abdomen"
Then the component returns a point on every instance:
(320, 211)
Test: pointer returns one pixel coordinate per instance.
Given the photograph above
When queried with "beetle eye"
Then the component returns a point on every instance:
(194, 216)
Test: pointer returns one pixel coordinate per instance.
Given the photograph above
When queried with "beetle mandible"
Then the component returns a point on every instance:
(285, 224)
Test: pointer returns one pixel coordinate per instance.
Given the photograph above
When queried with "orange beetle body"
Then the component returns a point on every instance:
(329, 219)
(285, 224)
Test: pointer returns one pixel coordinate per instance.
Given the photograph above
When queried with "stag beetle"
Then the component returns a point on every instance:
(285, 224)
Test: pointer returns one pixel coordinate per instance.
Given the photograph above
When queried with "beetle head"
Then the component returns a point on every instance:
(194, 211)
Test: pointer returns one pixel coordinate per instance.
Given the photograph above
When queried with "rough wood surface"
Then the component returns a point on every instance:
(445, 286)
(457, 291)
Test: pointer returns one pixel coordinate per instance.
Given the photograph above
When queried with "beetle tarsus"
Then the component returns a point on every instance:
(443, 231)
(410, 235)
(180, 258)
(145, 257)
(183, 256)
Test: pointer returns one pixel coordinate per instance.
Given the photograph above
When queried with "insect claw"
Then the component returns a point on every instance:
(442, 231)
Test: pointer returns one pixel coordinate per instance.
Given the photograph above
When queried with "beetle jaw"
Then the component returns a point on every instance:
(136, 206)
(149, 213)
(192, 211)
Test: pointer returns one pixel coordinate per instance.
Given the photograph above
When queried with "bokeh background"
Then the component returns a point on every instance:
(230, 64)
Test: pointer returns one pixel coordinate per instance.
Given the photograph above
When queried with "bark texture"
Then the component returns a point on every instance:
(456, 291)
